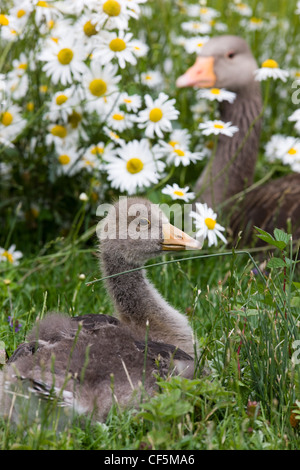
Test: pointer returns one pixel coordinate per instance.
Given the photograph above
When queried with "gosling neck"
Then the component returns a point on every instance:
(137, 301)
(231, 168)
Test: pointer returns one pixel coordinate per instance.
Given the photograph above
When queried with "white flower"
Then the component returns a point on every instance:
(67, 157)
(285, 149)
(101, 151)
(11, 123)
(253, 24)
(11, 255)
(113, 135)
(83, 197)
(178, 193)
(217, 94)
(119, 120)
(45, 11)
(206, 221)
(176, 154)
(61, 105)
(270, 69)
(218, 127)
(204, 12)
(152, 78)
(157, 117)
(114, 14)
(297, 12)
(193, 45)
(139, 48)
(135, 168)
(196, 27)
(109, 46)
(64, 61)
(242, 8)
(132, 102)
(100, 86)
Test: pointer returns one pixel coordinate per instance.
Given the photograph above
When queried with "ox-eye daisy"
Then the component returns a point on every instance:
(119, 120)
(109, 46)
(67, 159)
(206, 223)
(270, 69)
(64, 61)
(45, 11)
(218, 127)
(11, 255)
(114, 14)
(177, 154)
(217, 94)
(152, 78)
(61, 104)
(11, 122)
(193, 45)
(131, 102)
(99, 151)
(135, 168)
(100, 85)
(175, 192)
(157, 117)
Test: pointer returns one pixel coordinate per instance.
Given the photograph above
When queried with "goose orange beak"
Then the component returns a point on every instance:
(201, 74)
(177, 240)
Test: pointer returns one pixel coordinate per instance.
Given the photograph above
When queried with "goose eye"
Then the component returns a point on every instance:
(144, 222)
(231, 55)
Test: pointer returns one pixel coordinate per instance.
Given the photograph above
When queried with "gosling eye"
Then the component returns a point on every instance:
(144, 222)
(230, 55)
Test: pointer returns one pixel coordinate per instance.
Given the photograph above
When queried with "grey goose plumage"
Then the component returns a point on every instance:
(227, 62)
(86, 363)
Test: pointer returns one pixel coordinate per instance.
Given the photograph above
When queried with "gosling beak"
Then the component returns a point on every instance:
(201, 74)
(177, 240)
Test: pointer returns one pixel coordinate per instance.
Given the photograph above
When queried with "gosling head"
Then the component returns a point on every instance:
(136, 230)
(224, 62)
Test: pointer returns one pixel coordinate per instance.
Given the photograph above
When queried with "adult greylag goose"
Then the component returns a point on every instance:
(86, 363)
(227, 62)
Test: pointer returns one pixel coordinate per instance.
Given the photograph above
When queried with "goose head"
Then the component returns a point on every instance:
(224, 62)
(136, 230)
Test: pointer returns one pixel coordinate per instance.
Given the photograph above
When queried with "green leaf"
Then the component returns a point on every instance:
(297, 285)
(276, 263)
(280, 235)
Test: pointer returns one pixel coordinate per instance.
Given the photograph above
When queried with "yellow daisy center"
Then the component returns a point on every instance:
(179, 193)
(292, 151)
(117, 45)
(6, 118)
(179, 152)
(22, 66)
(210, 223)
(74, 119)
(97, 87)
(59, 131)
(256, 20)
(43, 88)
(173, 143)
(8, 256)
(118, 117)
(89, 162)
(134, 165)
(200, 44)
(61, 99)
(155, 114)
(89, 29)
(4, 21)
(65, 56)
(112, 8)
(218, 126)
(64, 159)
(270, 63)
(21, 13)
(126, 100)
(215, 91)
(97, 150)
(41, 3)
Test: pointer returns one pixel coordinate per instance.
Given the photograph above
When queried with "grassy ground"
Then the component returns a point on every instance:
(245, 324)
